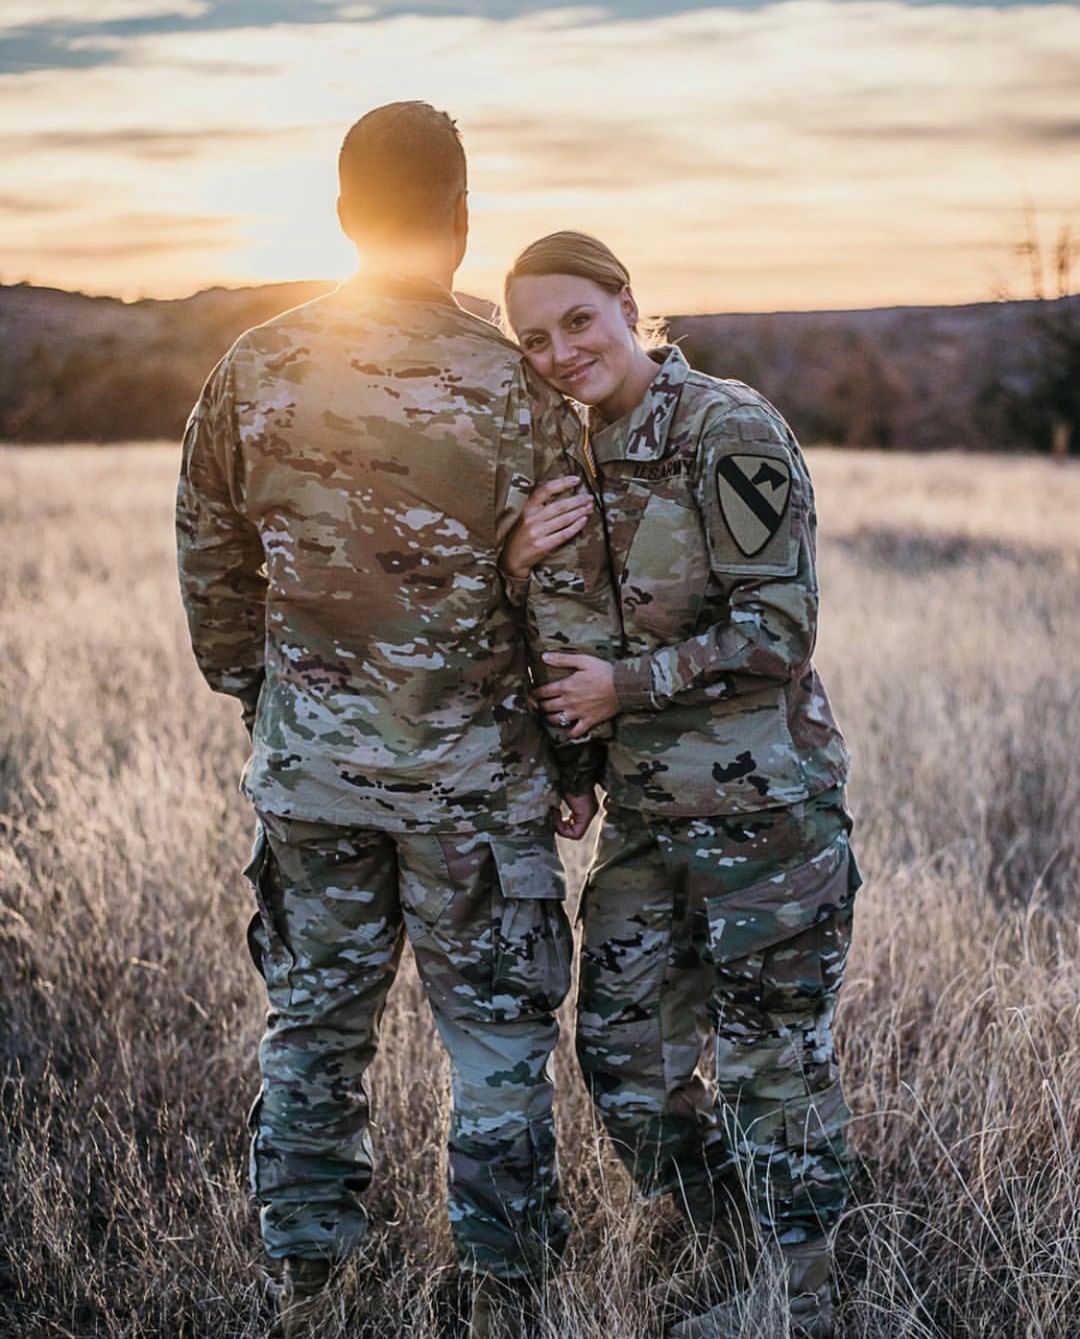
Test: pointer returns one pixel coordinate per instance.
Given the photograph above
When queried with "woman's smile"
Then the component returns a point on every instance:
(573, 376)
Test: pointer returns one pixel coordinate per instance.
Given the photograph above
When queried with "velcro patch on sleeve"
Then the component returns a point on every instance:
(751, 504)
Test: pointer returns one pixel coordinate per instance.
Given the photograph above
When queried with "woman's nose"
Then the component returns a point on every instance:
(561, 349)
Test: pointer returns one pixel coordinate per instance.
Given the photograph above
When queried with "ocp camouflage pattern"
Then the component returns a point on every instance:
(721, 709)
(493, 947)
(349, 475)
(735, 928)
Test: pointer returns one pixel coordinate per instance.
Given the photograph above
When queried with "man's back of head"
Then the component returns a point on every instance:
(403, 181)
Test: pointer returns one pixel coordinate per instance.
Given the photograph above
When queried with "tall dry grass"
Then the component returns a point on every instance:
(129, 1012)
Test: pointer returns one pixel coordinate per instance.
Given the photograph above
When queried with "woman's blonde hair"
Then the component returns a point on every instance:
(583, 257)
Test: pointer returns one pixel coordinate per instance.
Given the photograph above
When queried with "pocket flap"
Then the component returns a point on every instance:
(817, 1120)
(780, 907)
(528, 867)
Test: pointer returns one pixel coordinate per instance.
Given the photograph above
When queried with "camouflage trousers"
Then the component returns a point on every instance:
(493, 949)
(736, 928)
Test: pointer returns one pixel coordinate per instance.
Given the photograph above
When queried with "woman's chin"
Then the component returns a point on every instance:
(580, 390)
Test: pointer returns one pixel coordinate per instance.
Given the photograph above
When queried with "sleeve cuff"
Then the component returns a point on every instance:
(633, 684)
(516, 588)
(580, 766)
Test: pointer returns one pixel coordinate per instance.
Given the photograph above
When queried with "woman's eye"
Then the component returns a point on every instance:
(534, 343)
(581, 319)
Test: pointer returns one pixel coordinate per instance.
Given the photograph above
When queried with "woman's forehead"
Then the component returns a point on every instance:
(543, 299)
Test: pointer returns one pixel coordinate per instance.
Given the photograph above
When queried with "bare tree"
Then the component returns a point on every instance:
(1047, 411)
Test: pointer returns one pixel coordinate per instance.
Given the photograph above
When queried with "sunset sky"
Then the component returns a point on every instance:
(756, 156)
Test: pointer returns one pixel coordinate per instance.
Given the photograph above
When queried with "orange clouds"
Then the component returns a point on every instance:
(798, 155)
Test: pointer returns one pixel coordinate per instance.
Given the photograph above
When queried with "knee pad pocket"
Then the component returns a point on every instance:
(783, 941)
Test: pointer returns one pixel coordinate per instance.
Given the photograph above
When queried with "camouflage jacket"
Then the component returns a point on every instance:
(349, 475)
(710, 520)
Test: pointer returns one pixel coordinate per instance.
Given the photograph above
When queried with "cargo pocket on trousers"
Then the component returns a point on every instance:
(811, 1183)
(265, 933)
(815, 1124)
(783, 940)
(800, 1151)
(532, 939)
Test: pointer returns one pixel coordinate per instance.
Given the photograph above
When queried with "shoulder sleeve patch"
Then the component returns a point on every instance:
(748, 504)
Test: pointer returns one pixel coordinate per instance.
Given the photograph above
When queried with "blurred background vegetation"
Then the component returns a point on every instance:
(998, 376)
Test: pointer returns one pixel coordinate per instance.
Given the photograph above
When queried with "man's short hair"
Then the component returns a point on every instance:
(402, 170)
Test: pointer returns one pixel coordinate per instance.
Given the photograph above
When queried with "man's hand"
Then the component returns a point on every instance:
(584, 698)
(546, 523)
(582, 811)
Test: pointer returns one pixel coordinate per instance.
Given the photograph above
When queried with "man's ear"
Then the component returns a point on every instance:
(343, 216)
(629, 307)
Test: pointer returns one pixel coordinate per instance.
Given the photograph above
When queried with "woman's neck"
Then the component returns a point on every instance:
(632, 389)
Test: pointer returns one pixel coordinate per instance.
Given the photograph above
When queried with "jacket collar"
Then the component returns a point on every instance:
(404, 287)
(642, 434)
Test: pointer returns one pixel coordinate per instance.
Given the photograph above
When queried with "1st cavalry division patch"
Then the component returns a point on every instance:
(753, 493)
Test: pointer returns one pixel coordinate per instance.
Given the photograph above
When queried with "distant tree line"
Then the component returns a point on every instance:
(998, 377)
(98, 393)
(1040, 407)
(74, 368)
(994, 376)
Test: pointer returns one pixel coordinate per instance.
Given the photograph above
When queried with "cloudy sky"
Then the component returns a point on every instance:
(753, 156)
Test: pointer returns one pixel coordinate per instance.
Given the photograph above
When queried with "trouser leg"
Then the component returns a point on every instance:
(777, 889)
(779, 929)
(493, 948)
(778, 1085)
(328, 940)
(641, 1021)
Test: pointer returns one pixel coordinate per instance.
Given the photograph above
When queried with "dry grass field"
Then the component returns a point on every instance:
(129, 1012)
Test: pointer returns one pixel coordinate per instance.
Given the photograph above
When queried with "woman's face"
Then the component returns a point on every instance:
(579, 337)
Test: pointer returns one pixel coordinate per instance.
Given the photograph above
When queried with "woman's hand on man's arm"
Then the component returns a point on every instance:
(547, 522)
(584, 698)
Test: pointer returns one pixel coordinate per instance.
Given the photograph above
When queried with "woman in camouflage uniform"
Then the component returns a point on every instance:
(722, 888)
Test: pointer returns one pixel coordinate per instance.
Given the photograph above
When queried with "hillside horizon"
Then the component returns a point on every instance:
(994, 375)
(326, 285)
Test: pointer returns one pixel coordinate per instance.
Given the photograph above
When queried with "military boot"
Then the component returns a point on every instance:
(807, 1274)
(502, 1309)
(304, 1304)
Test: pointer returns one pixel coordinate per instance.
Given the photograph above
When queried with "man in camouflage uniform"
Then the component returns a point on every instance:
(723, 885)
(349, 474)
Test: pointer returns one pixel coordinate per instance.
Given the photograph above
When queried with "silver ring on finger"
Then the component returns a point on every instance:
(564, 720)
